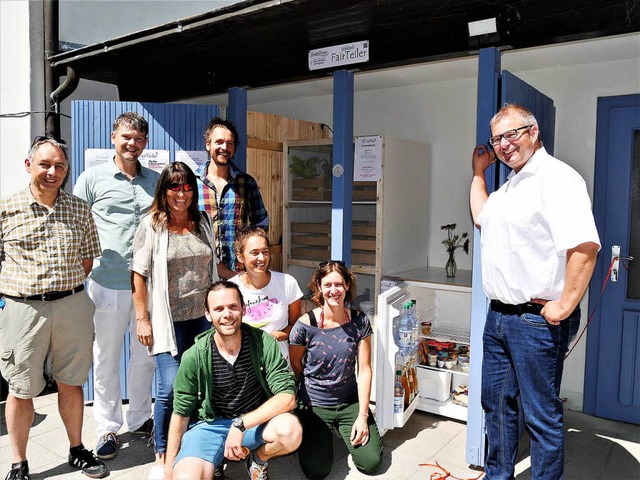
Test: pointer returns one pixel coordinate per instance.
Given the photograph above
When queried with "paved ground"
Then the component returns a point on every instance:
(596, 449)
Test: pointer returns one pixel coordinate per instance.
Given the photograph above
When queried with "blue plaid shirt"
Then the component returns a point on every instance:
(240, 205)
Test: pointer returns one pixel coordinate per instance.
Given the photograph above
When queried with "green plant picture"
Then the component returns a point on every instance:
(311, 167)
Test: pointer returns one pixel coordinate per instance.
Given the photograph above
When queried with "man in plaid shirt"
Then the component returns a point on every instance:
(229, 195)
(48, 241)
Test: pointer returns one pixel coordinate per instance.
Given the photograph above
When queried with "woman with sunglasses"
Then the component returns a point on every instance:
(272, 299)
(330, 347)
(172, 267)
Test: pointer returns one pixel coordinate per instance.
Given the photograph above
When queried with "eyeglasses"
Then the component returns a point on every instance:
(509, 135)
(176, 187)
(339, 262)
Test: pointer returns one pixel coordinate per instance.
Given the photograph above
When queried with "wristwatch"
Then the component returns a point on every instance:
(238, 423)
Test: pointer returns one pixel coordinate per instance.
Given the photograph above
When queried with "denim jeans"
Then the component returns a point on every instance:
(523, 359)
(166, 370)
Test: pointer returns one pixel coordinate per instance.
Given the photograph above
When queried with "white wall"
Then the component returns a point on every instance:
(92, 21)
(20, 74)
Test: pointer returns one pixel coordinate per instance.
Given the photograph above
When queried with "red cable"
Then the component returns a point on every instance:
(595, 307)
(445, 474)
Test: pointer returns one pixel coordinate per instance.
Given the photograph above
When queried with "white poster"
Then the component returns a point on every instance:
(97, 156)
(153, 159)
(196, 159)
(367, 164)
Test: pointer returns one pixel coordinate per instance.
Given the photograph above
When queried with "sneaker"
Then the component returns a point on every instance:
(108, 446)
(218, 473)
(145, 429)
(86, 461)
(21, 472)
(256, 471)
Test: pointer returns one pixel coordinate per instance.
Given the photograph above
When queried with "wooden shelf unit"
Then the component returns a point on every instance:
(389, 227)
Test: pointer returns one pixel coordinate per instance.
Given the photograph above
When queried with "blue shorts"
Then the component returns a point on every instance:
(206, 440)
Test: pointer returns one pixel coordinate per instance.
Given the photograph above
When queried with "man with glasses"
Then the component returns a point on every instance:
(119, 193)
(48, 241)
(229, 195)
(539, 245)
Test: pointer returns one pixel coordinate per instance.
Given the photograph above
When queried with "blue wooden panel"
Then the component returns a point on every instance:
(171, 127)
(610, 389)
(515, 90)
(629, 392)
(487, 103)
(342, 185)
(237, 113)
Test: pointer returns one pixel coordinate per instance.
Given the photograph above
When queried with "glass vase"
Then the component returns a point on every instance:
(451, 266)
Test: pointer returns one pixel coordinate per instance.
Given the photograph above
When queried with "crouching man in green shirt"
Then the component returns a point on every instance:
(232, 397)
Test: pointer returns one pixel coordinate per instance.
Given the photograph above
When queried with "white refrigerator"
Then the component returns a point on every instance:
(446, 303)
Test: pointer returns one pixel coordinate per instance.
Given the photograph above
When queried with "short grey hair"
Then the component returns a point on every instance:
(526, 115)
(39, 141)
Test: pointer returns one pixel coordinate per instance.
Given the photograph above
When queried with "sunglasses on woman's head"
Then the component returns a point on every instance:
(176, 187)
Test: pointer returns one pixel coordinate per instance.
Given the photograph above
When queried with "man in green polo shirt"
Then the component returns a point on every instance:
(119, 193)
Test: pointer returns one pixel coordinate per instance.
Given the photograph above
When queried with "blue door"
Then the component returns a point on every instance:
(612, 381)
(495, 88)
(172, 127)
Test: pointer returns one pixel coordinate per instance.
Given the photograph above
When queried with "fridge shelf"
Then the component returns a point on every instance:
(399, 420)
(454, 369)
(446, 333)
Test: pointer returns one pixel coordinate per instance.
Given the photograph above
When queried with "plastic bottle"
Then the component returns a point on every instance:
(405, 329)
(398, 394)
(416, 323)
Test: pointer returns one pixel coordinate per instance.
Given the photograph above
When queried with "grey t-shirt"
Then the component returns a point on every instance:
(329, 373)
(189, 260)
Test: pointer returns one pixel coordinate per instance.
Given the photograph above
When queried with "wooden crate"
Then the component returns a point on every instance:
(318, 188)
(364, 192)
(265, 134)
(312, 241)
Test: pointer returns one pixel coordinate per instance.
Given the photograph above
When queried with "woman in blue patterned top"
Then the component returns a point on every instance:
(329, 348)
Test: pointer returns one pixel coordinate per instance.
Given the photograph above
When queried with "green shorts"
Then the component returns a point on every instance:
(29, 329)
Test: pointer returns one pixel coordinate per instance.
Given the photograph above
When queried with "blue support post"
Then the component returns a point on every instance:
(488, 85)
(237, 113)
(342, 185)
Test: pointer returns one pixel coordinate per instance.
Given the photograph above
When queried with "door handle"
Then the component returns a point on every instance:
(615, 262)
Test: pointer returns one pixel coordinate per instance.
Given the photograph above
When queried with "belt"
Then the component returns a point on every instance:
(50, 296)
(506, 309)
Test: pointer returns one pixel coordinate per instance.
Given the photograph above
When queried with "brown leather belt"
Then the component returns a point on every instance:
(49, 296)
(506, 309)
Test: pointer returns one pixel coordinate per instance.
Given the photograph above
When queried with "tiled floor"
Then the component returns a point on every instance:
(596, 449)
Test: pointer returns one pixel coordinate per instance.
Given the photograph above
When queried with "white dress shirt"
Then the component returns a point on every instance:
(528, 225)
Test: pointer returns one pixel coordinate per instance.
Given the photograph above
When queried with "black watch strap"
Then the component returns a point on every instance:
(238, 423)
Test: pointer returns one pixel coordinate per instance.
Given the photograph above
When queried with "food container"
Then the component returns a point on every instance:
(425, 328)
(448, 363)
(432, 359)
(441, 362)
(463, 363)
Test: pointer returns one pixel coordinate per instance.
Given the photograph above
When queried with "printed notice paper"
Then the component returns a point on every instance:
(196, 159)
(153, 159)
(367, 165)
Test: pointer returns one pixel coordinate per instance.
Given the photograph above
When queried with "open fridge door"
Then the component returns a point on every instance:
(389, 311)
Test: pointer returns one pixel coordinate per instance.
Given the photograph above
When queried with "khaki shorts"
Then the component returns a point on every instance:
(29, 329)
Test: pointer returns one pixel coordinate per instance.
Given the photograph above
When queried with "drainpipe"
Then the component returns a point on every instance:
(51, 80)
